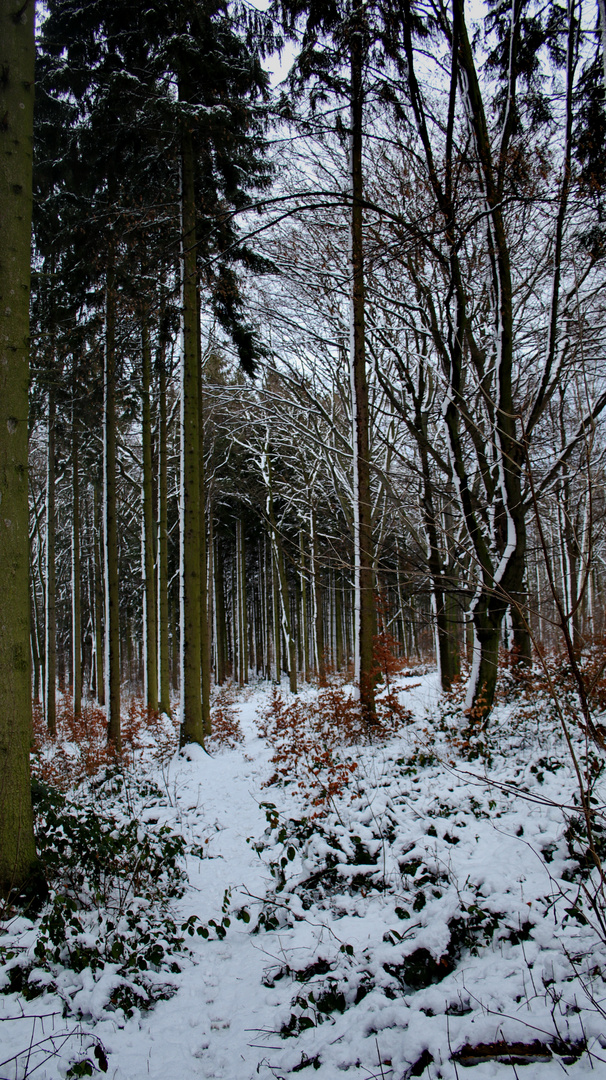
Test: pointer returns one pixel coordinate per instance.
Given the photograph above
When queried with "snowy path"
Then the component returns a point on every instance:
(206, 1028)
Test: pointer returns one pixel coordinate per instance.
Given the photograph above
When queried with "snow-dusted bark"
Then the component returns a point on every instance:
(364, 600)
(281, 593)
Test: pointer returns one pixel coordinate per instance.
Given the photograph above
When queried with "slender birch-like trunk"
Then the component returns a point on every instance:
(364, 605)
(316, 593)
(304, 612)
(281, 594)
(241, 605)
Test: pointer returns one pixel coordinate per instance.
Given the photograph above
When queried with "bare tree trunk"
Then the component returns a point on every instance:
(98, 612)
(192, 725)
(76, 576)
(318, 615)
(150, 629)
(304, 612)
(163, 616)
(204, 624)
(17, 848)
(50, 621)
(365, 614)
(110, 524)
(220, 627)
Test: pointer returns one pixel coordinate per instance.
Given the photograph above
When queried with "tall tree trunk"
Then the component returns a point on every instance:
(76, 582)
(192, 724)
(50, 621)
(110, 524)
(241, 605)
(318, 615)
(365, 614)
(204, 623)
(163, 618)
(220, 627)
(150, 630)
(98, 613)
(282, 599)
(266, 571)
(304, 614)
(17, 848)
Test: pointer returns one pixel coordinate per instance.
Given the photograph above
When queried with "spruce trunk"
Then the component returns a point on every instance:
(76, 583)
(17, 848)
(163, 621)
(204, 623)
(99, 676)
(150, 643)
(50, 634)
(192, 726)
(110, 524)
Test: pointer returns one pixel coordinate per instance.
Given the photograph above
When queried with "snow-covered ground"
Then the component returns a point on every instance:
(425, 923)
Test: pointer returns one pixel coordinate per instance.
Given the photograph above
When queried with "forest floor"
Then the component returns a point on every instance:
(418, 905)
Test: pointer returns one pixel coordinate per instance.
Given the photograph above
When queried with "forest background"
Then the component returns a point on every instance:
(316, 370)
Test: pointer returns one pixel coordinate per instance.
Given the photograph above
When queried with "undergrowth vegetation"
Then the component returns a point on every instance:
(106, 937)
(310, 738)
(426, 874)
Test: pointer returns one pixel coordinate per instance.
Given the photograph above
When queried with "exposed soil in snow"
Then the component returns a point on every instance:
(426, 923)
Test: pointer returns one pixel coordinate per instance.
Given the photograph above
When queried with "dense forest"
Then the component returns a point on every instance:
(309, 329)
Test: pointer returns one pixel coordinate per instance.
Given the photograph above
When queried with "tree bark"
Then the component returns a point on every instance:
(98, 613)
(220, 627)
(149, 577)
(110, 524)
(318, 615)
(50, 621)
(204, 624)
(76, 582)
(163, 618)
(17, 848)
(304, 612)
(365, 613)
(192, 725)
